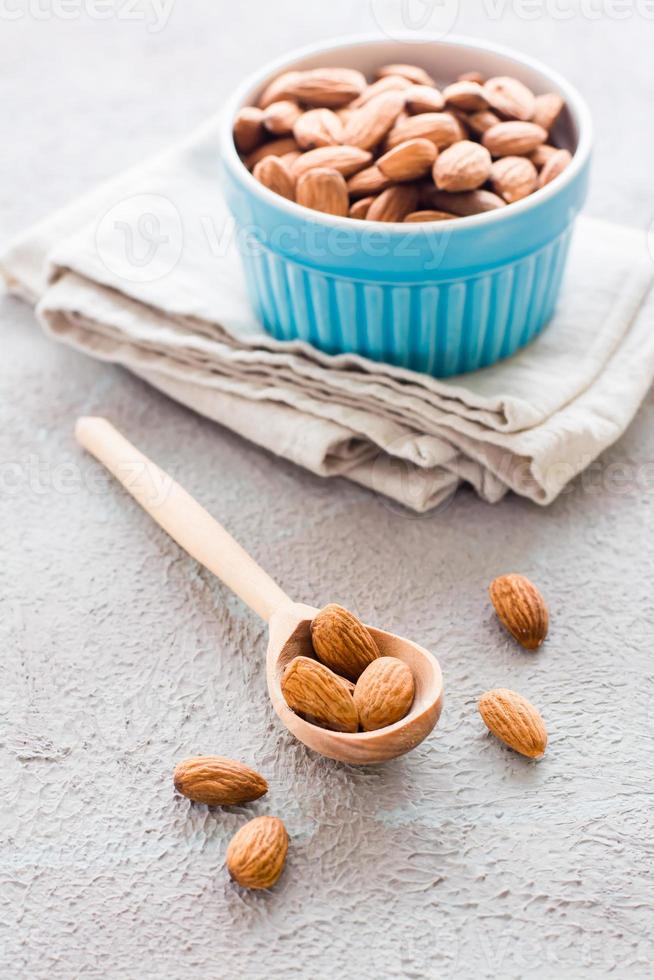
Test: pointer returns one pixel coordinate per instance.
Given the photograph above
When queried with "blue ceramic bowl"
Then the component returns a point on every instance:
(443, 298)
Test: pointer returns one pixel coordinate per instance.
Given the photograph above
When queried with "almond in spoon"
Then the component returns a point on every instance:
(312, 690)
(384, 693)
(342, 642)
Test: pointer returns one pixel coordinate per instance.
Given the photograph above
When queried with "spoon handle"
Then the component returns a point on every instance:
(189, 524)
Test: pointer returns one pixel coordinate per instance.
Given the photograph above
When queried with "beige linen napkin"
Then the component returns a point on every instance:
(144, 272)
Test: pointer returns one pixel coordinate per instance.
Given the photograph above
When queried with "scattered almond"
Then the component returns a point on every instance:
(384, 693)
(521, 609)
(256, 854)
(318, 127)
(217, 781)
(464, 166)
(515, 721)
(323, 190)
(312, 689)
(514, 178)
(274, 174)
(554, 166)
(394, 204)
(342, 642)
(513, 138)
(510, 98)
(408, 161)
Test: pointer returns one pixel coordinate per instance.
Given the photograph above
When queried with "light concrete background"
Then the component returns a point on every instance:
(119, 656)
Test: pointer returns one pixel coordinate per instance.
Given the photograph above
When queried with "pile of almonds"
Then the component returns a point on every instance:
(350, 686)
(400, 149)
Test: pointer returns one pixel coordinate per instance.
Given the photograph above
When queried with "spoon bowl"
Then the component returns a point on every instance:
(193, 528)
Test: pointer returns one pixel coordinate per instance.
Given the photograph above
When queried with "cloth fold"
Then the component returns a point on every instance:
(144, 272)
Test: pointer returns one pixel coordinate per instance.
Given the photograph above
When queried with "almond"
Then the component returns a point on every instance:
(359, 209)
(521, 609)
(248, 129)
(442, 128)
(323, 190)
(412, 72)
(510, 98)
(465, 95)
(389, 83)
(368, 125)
(463, 204)
(326, 87)
(542, 154)
(257, 853)
(509, 139)
(384, 693)
(554, 166)
(471, 76)
(280, 117)
(310, 688)
(278, 88)
(479, 122)
(368, 181)
(276, 148)
(514, 178)
(346, 159)
(418, 217)
(217, 781)
(342, 642)
(408, 161)
(547, 110)
(465, 166)
(515, 721)
(274, 174)
(423, 98)
(318, 127)
(394, 204)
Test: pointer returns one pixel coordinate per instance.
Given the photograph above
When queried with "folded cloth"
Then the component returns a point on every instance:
(144, 272)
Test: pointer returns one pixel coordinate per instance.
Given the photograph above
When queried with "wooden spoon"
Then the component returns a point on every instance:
(289, 623)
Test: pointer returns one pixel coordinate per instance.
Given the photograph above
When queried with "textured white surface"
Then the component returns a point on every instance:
(119, 656)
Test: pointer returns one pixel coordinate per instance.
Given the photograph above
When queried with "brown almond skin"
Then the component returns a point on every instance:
(521, 609)
(274, 174)
(554, 166)
(515, 721)
(256, 854)
(442, 128)
(323, 190)
(311, 689)
(463, 204)
(217, 781)
(542, 154)
(318, 127)
(280, 117)
(394, 204)
(275, 148)
(510, 139)
(479, 122)
(249, 130)
(466, 95)
(327, 88)
(359, 209)
(415, 74)
(419, 217)
(384, 693)
(514, 178)
(423, 98)
(510, 98)
(367, 182)
(342, 642)
(367, 126)
(348, 160)
(408, 161)
(389, 83)
(547, 109)
(465, 166)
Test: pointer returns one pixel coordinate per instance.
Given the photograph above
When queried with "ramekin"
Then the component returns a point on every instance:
(442, 298)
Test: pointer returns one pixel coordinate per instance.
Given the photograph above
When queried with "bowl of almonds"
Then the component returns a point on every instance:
(417, 213)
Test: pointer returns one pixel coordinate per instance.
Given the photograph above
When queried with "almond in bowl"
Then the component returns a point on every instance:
(395, 139)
